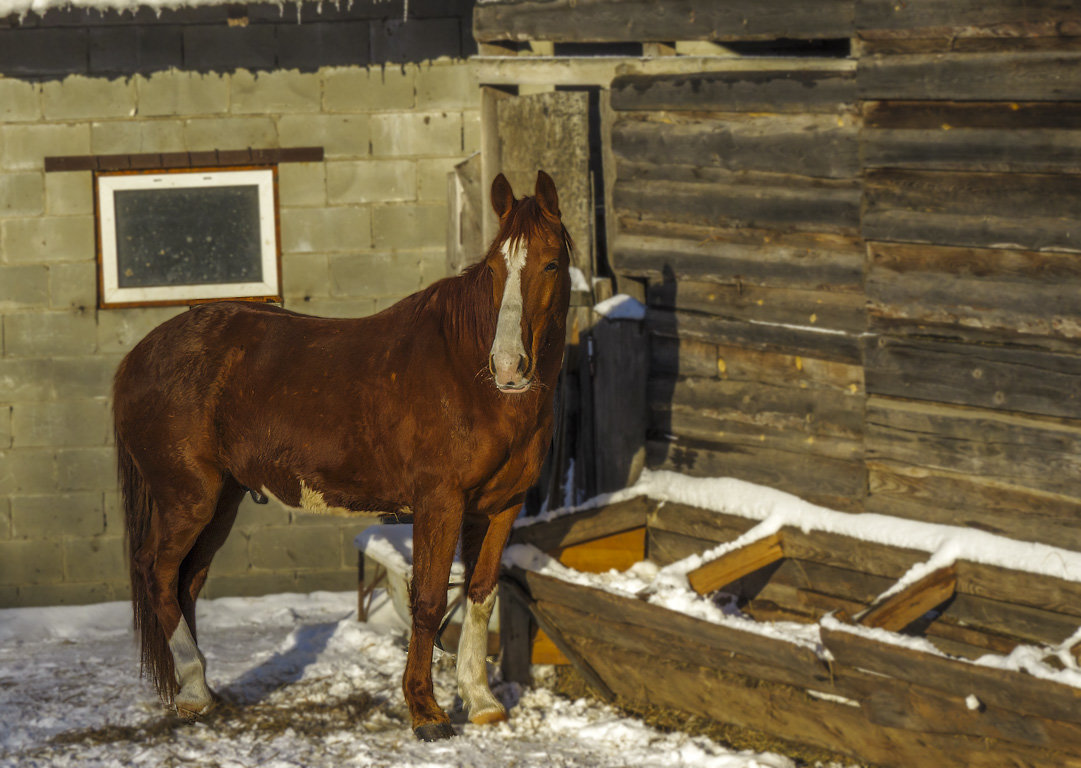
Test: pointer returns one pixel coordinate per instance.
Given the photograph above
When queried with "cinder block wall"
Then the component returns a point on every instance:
(359, 231)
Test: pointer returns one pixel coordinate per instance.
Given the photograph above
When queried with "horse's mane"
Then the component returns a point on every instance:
(465, 300)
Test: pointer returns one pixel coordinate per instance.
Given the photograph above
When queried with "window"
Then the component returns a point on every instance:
(185, 236)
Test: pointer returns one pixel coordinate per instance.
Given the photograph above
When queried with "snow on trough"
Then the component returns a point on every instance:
(303, 683)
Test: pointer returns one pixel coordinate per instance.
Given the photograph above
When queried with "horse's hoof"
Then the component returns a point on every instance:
(433, 731)
(488, 716)
(194, 709)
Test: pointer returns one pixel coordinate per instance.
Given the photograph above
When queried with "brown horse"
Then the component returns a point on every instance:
(441, 404)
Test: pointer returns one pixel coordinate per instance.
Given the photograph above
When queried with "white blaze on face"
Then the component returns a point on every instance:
(507, 349)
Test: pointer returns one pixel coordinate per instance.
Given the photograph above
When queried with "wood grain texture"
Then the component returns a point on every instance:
(722, 571)
(793, 90)
(900, 609)
(968, 18)
(640, 20)
(1020, 211)
(1014, 76)
(804, 144)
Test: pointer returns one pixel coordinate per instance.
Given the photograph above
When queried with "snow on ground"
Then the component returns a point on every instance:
(303, 683)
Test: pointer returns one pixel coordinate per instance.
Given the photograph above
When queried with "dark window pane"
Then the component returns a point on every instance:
(194, 236)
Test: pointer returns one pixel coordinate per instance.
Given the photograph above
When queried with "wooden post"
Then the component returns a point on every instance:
(515, 635)
(621, 370)
(736, 564)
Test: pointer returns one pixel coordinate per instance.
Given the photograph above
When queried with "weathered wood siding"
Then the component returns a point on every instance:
(971, 146)
(737, 199)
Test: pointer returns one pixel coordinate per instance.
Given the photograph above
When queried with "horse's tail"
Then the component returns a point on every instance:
(156, 658)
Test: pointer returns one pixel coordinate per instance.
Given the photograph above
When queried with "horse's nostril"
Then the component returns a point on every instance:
(523, 363)
(491, 364)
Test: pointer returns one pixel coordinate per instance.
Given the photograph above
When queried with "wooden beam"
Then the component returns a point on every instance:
(899, 610)
(736, 564)
(618, 551)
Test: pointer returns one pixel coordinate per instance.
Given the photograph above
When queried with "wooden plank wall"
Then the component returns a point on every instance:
(862, 275)
(971, 146)
(737, 199)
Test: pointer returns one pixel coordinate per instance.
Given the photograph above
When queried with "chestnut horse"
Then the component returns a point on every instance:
(441, 404)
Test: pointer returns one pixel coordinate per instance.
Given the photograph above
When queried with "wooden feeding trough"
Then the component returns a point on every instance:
(827, 652)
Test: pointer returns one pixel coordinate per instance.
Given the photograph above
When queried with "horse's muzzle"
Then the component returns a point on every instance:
(508, 379)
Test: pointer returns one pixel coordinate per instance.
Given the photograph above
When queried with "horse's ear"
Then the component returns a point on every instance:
(502, 196)
(546, 195)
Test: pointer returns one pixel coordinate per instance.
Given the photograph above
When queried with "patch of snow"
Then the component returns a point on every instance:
(578, 280)
(304, 683)
(972, 702)
(621, 307)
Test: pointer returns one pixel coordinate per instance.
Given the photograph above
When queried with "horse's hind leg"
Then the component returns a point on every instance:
(482, 549)
(181, 514)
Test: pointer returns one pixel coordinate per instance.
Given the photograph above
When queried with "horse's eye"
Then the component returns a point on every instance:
(552, 266)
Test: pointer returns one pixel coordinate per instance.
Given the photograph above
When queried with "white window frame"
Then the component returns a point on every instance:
(107, 184)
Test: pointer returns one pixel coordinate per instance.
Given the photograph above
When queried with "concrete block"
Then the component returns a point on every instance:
(323, 230)
(73, 286)
(59, 423)
(26, 379)
(310, 46)
(20, 101)
(409, 227)
(47, 239)
(223, 48)
(70, 594)
(5, 519)
(78, 378)
(349, 550)
(371, 181)
(291, 546)
(5, 433)
(29, 471)
(305, 275)
(275, 92)
(368, 90)
(417, 133)
(22, 194)
(86, 469)
(447, 85)
(38, 334)
(331, 307)
(302, 185)
(121, 137)
(31, 562)
(80, 98)
(253, 584)
(118, 330)
(118, 51)
(114, 513)
(252, 516)
(69, 194)
(57, 516)
(233, 558)
(340, 136)
(433, 266)
(174, 93)
(98, 559)
(471, 131)
(416, 39)
(342, 580)
(25, 146)
(47, 52)
(432, 178)
(23, 286)
(204, 134)
(373, 275)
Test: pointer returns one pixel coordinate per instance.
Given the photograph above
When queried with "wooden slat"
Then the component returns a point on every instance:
(1037, 452)
(1045, 592)
(785, 203)
(971, 115)
(655, 248)
(587, 525)
(1014, 691)
(1020, 76)
(802, 144)
(1023, 211)
(1008, 18)
(797, 341)
(717, 573)
(700, 523)
(985, 503)
(619, 551)
(835, 483)
(1002, 291)
(641, 20)
(902, 608)
(805, 89)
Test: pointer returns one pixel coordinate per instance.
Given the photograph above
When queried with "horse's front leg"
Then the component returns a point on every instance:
(483, 574)
(435, 537)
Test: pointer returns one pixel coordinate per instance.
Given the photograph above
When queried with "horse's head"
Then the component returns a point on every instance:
(530, 265)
